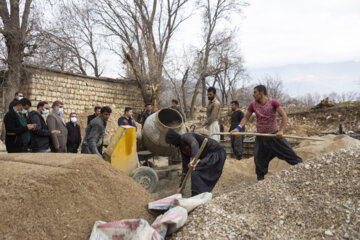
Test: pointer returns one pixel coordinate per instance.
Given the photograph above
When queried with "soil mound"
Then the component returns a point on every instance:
(60, 196)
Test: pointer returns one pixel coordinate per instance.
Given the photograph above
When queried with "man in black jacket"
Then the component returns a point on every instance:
(74, 134)
(174, 105)
(17, 130)
(97, 110)
(40, 137)
(236, 141)
(18, 96)
(212, 159)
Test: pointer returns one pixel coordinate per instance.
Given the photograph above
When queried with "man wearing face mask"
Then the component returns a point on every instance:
(56, 122)
(18, 96)
(17, 129)
(74, 134)
(40, 137)
(212, 114)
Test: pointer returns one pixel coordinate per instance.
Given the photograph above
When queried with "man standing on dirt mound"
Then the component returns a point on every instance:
(266, 148)
(208, 170)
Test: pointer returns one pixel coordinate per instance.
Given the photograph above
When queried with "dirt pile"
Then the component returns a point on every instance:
(328, 119)
(237, 174)
(60, 196)
(111, 126)
(301, 120)
(315, 200)
(325, 103)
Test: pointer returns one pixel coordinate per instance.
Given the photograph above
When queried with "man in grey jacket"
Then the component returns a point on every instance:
(95, 131)
(56, 122)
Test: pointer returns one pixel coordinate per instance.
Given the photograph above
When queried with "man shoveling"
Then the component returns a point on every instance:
(212, 158)
(266, 148)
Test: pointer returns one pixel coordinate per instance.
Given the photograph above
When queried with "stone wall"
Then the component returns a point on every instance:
(80, 93)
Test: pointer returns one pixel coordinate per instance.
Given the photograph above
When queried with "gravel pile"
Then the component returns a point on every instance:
(319, 199)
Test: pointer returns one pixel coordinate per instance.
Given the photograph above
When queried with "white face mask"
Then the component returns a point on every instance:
(73, 119)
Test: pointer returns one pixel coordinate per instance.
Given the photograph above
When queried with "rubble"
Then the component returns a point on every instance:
(307, 201)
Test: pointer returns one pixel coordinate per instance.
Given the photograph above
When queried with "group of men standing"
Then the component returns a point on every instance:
(29, 131)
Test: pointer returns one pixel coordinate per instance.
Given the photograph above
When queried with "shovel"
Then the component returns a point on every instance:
(193, 162)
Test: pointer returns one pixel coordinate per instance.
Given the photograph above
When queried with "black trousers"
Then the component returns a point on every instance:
(72, 148)
(207, 172)
(266, 148)
(236, 144)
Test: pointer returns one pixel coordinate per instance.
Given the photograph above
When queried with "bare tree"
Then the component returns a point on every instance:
(143, 30)
(15, 28)
(274, 86)
(72, 41)
(348, 96)
(310, 99)
(228, 68)
(343, 97)
(213, 12)
(180, 89)
(334, 96)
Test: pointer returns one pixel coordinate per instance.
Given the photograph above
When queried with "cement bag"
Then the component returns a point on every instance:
(165, 203)
(176, 200)
(191, 203)
(171, 221)
(130, 229)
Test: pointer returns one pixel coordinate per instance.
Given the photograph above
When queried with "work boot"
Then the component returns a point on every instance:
(260, 178)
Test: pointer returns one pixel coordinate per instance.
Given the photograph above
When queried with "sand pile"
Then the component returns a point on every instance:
(60, 196)
(315, 200)
(242, 172)
(112, 124)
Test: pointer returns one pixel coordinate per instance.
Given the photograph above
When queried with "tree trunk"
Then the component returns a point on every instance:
(203, 97)
(186, 111)
(193, 100)
(13, 80)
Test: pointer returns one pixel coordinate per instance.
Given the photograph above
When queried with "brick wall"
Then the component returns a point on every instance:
(80, 93)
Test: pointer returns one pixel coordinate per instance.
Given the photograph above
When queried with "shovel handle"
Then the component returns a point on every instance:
(194, 162)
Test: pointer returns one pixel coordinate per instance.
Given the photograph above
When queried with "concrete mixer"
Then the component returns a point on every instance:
(122, 152)
(155, 129)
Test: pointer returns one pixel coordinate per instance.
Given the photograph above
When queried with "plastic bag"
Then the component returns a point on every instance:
(171, 221)
(176, 200)
(176, 214)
